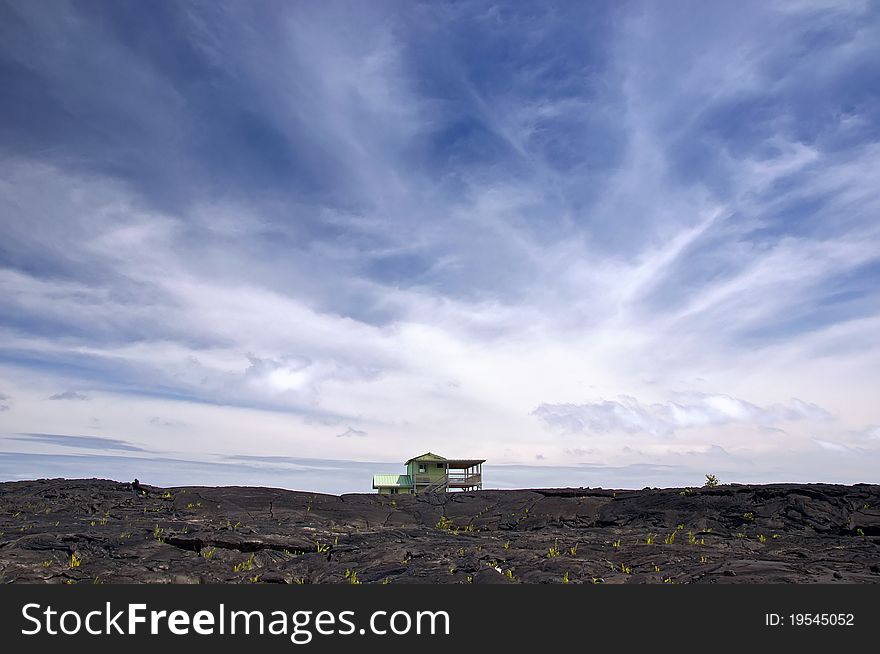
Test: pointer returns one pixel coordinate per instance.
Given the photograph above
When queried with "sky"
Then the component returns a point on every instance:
(612, 244)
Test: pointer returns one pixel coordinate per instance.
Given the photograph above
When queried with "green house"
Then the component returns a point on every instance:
(431, 473)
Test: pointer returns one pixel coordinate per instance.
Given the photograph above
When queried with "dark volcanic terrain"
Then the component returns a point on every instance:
(97, 531)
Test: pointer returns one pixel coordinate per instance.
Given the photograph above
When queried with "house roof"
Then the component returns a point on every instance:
(427, 456)
(392, 481)
(464, 463)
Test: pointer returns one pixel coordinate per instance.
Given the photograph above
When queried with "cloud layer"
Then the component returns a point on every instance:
(627, 415)
(458, 227)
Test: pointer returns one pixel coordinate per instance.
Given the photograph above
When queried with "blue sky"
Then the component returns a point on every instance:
(611, 243)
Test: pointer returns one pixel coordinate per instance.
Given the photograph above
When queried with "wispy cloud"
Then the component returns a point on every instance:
(68, 395)
(351, 432)
(85, 442)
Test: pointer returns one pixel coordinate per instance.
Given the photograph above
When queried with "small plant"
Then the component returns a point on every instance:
(47, 563)
(255, 579)
(711, 481)
(691, 538)
(573, 550)
(686, 492)
(469, 579)
(157, 533)
(393, 502)
(670, 539)
(103, 521)
(748, 516)
(246, 565)
(444, 523)
(651, 539)
(565, 578)
(762, 538)
(386, 581)
(299, 581)
(92, 523)
(860, 532)
(866, 506)
(167, 495)
(667, 580)
(775, 536)
(461, 551)
(615, 543)
(679, 527)
(75, 561)
(740, 535)
(625, 569)
(656, 568)
(322, 548)
(208, 552)
(352, 577)
(452, 569)
(509, 573)
(596, 580)
(704, 559)
(506, 545)
(553, 552)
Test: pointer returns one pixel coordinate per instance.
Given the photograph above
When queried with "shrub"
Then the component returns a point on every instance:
(711, 481)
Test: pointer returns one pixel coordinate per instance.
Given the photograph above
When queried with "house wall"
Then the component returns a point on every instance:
(435, 470)
(386, 490)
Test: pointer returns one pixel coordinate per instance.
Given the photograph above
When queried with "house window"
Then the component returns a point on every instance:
(439, 465)
(423, 467)
(394, 491)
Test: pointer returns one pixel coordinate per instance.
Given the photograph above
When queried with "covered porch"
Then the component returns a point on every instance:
(464, 474)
